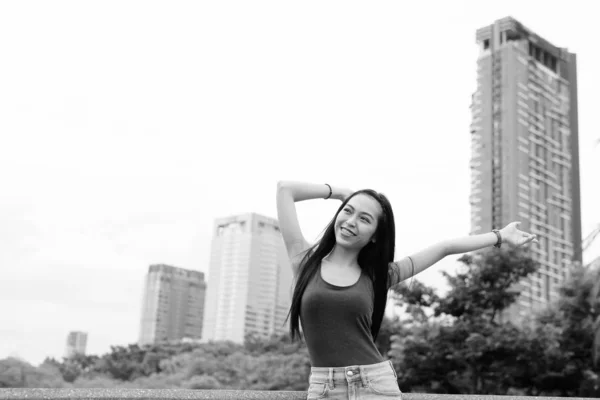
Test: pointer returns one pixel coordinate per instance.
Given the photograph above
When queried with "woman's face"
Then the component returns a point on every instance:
(357, 222)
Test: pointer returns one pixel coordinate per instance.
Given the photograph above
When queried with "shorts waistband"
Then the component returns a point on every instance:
(333, 375)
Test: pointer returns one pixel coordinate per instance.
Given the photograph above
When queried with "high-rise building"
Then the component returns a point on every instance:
(173, 305)
(76, 343)
(525, 151)
(250, 279)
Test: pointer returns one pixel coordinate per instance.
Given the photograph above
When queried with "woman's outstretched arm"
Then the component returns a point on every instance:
(420, 261)
(288, 193)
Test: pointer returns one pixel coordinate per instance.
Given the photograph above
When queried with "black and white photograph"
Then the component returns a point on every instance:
(299, 200)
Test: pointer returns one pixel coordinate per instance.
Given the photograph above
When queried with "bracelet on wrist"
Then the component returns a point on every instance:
(499, 242)
(330, 191)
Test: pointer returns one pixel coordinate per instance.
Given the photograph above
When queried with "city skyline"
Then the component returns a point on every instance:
(121, 154)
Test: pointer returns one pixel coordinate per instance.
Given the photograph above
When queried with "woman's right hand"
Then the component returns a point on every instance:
(341, 193)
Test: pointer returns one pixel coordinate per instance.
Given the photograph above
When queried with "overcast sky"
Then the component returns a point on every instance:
(127, 127)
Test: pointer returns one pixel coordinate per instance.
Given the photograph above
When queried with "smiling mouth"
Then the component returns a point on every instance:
(348, 231)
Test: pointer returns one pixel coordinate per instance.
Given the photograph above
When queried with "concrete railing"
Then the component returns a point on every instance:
(180, 394)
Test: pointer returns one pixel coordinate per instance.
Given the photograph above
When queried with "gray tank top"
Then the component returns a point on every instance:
(336, 322)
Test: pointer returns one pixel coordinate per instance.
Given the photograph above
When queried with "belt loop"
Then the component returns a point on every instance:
(363, 376)
(330, 379)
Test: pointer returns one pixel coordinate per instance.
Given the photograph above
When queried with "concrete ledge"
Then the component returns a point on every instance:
(180, 394)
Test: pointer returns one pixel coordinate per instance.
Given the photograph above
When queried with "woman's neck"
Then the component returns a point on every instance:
(343, 257)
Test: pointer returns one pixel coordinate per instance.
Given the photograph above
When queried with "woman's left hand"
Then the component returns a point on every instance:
(513, 236)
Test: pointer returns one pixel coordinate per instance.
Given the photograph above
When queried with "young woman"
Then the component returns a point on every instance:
(342, 282)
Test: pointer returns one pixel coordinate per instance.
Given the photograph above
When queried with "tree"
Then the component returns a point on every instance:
(571, 370)
(488, 283)
(417, 299)
(539, 357)
(128, 363)
(389, 326)
(21, 374)
(459, 347)
(13, 372)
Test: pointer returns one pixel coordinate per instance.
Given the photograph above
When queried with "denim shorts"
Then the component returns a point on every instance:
(358, 382)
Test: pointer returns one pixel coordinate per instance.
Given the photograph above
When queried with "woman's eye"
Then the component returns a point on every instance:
(365, 219)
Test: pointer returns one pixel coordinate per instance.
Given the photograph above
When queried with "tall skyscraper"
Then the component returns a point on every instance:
(525, 151)
(76, 343)
(173, 305)
(250, 279)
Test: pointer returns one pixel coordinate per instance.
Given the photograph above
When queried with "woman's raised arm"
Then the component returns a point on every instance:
(420, 261)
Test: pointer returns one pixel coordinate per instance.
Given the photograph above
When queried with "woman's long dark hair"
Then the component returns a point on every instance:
(373, 259)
